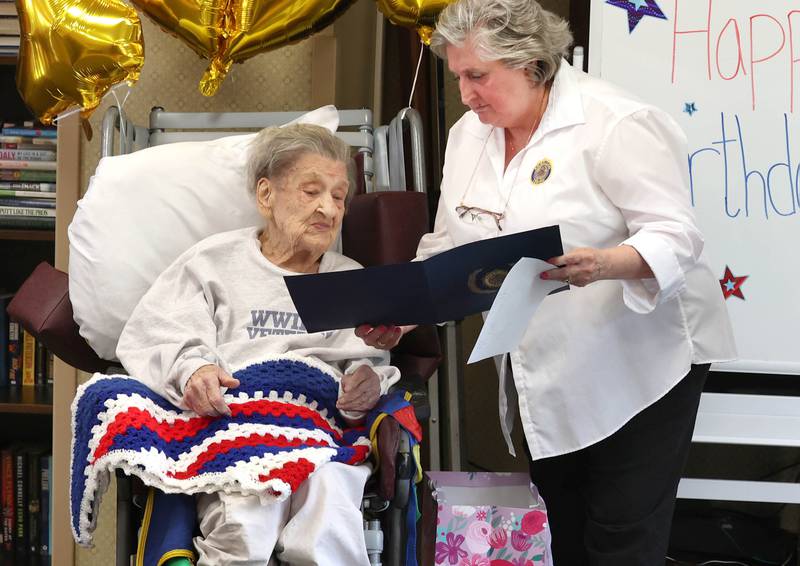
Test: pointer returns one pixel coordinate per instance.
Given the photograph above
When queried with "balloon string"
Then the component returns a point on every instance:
(67, 113)
(416, 73)
(120, 105)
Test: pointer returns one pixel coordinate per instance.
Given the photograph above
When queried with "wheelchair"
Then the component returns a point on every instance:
(380, 227)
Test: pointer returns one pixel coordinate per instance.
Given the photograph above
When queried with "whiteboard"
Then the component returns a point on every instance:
(729, 73)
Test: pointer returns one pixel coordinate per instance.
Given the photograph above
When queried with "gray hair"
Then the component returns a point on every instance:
(274, 150)
(519, 33)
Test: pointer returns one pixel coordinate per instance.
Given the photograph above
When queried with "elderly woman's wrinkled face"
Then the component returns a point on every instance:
(500, 96)
(304, 208)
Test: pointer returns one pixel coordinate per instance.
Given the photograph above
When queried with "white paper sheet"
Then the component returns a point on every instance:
(516, 302)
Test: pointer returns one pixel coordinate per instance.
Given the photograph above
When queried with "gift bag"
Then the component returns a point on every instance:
(483, 519)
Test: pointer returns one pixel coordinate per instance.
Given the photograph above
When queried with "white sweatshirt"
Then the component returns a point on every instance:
(222, 302)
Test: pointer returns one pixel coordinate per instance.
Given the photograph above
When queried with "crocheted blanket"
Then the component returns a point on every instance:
(283, 425)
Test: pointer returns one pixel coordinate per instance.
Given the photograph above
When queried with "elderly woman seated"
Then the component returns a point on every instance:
(224, 303)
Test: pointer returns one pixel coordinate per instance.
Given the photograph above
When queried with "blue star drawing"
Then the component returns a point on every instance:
(689, 108)
(637, 9)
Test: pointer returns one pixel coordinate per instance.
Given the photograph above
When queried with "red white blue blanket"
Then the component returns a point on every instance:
(284, 425)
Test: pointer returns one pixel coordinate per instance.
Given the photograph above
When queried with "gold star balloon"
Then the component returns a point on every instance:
(418, 14)
(73, 51)
(230, 31)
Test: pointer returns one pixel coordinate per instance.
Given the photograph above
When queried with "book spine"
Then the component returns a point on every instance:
(14, 353)
(39, 187)
(33, 165)
(28, 358)
(20, 502)
(36, 202)
(7, 497)
(23, 194)
(15, 139)
(27, 175)
(32, 155)
(9, 26)
(44, 505)
(27, 211)
(30, 132)
(30, 145)
(34, 482)
(28, 222)
(40, 368)
(4, 354)
(50, 362)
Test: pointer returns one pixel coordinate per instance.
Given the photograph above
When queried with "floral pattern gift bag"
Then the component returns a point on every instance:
(484, 519)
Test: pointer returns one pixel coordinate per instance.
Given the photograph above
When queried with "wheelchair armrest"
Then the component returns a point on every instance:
(42, 307)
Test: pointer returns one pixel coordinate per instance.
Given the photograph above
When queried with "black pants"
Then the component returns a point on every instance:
(611, 503)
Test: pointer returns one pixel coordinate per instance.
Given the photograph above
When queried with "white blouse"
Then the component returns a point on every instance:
(593, 357)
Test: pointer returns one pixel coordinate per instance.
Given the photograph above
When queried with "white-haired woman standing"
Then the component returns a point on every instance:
(223, 302)
(609, 374)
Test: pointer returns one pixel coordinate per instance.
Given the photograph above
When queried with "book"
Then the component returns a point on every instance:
(22, 164)
(29, 194)
(5, 298)
(27, 222)
(9, 26)
(50, 362)
(28, 155)
(20, 500)
(28, 358)
(36, 202)
(7, 497)
(40, 365)
(14, 353)
(30, 132)
(23, 186)
(50, 368)
(15, 145)
(8, 9)
(35, 143)
(44, 504)
(34, 456)
(9, 41)
(26, 211)
(27, 175)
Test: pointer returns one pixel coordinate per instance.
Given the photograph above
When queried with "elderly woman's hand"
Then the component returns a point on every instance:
(360, 390)
(202, 393)
(382, 337)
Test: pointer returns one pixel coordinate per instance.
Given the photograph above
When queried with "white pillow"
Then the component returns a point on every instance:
(142, 210)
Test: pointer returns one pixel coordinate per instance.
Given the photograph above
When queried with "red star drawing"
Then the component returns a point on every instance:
(732, 285)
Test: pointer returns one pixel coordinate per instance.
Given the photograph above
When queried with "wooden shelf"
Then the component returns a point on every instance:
(27, 399)
(8, 60)
(22, 234)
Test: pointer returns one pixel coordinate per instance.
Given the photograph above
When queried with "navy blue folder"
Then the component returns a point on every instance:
(449, 286)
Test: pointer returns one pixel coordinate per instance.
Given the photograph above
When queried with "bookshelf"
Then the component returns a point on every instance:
(39, 415)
